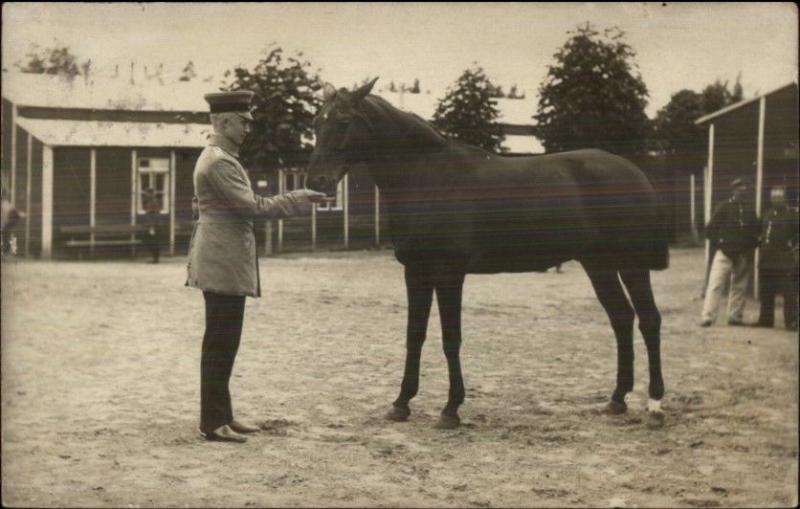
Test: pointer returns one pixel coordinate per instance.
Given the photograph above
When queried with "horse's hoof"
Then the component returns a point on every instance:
(616, 408)
(448, 422)
(655, 420)
(398, 414)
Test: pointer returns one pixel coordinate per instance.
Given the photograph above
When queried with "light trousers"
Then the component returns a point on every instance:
(725, 269)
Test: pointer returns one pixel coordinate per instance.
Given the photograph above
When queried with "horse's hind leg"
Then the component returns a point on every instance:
(638, 284)
(449, 292)
(419, 289)
(612, 297)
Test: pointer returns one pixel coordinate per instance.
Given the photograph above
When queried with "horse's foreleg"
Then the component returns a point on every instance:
(448, 296)
(420, 295)
(641, 292)
(612, 297)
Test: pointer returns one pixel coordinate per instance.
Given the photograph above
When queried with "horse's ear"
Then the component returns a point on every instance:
(328, 92)
(364, 90)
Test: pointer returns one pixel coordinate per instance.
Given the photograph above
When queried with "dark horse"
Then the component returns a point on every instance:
(454, 209)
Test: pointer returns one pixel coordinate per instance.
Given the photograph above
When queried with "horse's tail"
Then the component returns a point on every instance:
(659, 241)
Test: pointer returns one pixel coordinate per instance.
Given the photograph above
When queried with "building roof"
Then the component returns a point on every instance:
(516, 144)
(736, 106)
(46, 90)
(58, 132)
(27, 89)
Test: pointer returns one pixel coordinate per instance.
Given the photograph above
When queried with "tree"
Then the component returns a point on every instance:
(716, 95)
(593, 96)
(674, 129)
(468, 112)
(285, 105)
(415, 87)
(59, 60)
(497, 92)
(188, 73)
(674, 126)
(392, 87)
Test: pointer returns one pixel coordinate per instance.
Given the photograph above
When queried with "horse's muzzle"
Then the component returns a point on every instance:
(322, 184)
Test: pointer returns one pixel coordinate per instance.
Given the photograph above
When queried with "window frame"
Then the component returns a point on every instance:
(147, 170)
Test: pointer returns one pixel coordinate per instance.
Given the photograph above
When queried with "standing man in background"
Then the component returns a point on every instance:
(733, 232)
(777, 264)
(222, 254)
(152, 219)
(9, 216)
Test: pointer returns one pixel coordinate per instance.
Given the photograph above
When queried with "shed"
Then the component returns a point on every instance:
(755, 139)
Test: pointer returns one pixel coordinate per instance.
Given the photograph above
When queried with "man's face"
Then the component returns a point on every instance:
(236, 129)
(739, 192)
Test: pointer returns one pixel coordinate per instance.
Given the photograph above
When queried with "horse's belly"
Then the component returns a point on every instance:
(524, 251)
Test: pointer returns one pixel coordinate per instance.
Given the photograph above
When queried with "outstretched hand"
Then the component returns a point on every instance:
(314, 196)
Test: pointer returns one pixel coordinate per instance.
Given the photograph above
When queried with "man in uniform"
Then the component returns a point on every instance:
(733, 231)
(777, 264)
(222, 253)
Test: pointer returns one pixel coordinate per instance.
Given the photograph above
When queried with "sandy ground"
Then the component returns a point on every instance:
(100, 394)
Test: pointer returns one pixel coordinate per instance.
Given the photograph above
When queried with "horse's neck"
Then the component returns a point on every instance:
(406, 167)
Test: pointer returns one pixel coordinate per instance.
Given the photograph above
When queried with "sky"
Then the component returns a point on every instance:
(678, 45)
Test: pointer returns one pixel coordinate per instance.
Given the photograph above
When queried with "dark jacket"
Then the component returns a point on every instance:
(733, 228)
(779, 239)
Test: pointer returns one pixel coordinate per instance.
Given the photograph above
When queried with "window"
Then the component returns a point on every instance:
(294, 180)
(153, 173)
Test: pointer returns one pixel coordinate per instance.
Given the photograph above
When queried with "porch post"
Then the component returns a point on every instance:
(92, 196)
(762, 107)
(47, 202)
(693, 208)
(377, 216)
(709, 195)
(313, 227)
(29, 179)
(133, 197)
(346, 208)
(281, 190)
(14, 154)
(172, 173)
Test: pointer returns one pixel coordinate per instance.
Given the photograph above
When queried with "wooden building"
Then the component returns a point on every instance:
(76, 158)
(755, 139)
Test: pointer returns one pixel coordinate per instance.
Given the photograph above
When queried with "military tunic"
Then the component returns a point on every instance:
(222, 250)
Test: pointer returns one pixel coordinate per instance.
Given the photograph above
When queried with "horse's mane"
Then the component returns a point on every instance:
(381, 111)
(414, 126)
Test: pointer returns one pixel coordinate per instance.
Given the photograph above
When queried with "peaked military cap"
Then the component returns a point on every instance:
(234, 102)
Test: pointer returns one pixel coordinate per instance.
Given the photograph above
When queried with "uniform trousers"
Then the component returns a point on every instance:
(772, 282)
(224, 318)
(738, 272)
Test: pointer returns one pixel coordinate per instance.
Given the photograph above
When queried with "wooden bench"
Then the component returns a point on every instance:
(113, 235)
(121, 235)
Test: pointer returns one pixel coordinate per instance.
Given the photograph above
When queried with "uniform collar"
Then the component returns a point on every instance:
(224, 143)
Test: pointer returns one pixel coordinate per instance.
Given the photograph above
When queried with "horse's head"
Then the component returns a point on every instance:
(342, 133)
